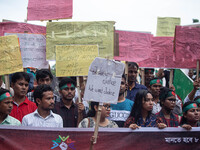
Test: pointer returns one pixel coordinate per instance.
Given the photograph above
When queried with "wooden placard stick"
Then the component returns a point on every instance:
(78, 88)
(171, 76)
(7, 82)
(126, 74)
(197, 76)
(96, 129)
(142, 76)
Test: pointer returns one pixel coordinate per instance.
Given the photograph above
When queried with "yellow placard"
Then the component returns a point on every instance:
(166, 26)
(10, 60)
(83, 33)
(74, 60)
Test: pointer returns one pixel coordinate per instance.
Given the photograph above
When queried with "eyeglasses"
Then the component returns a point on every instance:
(107, 107)
(172, 99)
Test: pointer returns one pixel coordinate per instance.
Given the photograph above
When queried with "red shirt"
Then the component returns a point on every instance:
(26, 107)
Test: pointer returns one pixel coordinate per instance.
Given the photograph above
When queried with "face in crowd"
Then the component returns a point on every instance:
(123, 87)
(147, 103)
(155, 85)
(170, 101)
(47, 102)
(6, 103)
(20, 87)
(68, 91)
(132, 73)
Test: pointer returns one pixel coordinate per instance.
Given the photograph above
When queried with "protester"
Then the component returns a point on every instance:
(195, 91)
(166, 116)
(6, 105)
(164, 74)
(141, 115)
(133, 86)
(149, 74)
(121, 111)
(190, 115)
(43, 115)
(92, 117)
(70, 112)
(155, 85)
(43, 76)
(191, 74)
(22, 105)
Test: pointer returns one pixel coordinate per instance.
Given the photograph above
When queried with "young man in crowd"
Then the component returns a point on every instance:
(21, 105)
(6, 105)
(149, 74)
(121, 111)
(43, 115)
(133, 86)
(43, 76)
(70, 112)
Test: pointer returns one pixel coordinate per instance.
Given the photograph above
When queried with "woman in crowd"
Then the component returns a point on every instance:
(166, 118)
(190, 115)
(141, 112)
(92, 117)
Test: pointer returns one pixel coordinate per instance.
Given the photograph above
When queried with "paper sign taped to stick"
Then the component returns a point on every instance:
(85, 33)
(74, 60)
(104, 80)
(33, 50)
(10, 60)
(166, 26)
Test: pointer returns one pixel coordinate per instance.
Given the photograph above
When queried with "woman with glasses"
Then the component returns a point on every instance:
(92, 117)
(166, 118)
(141, 115)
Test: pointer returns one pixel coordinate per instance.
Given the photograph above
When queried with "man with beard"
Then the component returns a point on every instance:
(21, 105)
(43, 115)
(133, 86)
(70, 112)
(121, 111)
(155, 85)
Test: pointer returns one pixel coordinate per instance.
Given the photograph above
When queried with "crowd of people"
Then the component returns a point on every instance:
(149, 105)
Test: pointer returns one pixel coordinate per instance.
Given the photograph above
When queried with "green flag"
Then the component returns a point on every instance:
(182, 83)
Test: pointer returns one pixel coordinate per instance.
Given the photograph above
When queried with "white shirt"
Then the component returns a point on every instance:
(35, 120)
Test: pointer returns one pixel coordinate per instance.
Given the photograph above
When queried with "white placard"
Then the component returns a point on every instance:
(33, 50)
(104, 80)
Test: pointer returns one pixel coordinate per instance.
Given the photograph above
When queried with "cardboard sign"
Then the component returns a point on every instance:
(74, 60)
(86, 33)
(10, 60)
(33, 50)
(187, 46)
(166, 26)
(133, 46)
(18, 27)
(49, 10)
(104, 80)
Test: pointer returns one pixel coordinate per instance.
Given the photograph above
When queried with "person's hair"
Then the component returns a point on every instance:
(147, 69)
(136, 111)
(124, 77)
(43, 73)
(20, 75)
(40, 89)
(65, 81)
(133, 64)
(163, 94)
(2, 91)
(184, 120)
(92, 111)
